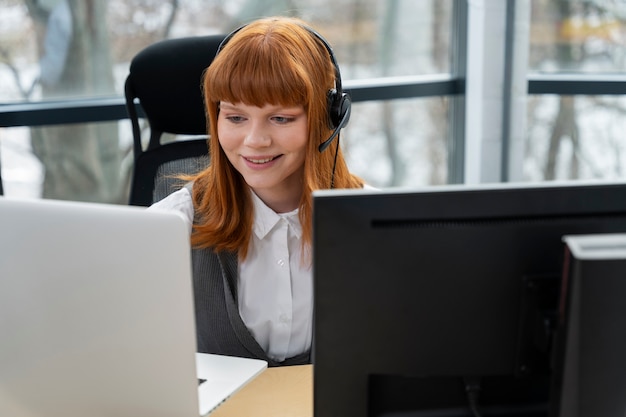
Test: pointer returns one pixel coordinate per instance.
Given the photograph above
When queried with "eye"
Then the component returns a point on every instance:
(282, 119)
(235, 119)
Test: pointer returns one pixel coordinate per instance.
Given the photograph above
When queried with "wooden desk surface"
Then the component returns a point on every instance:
(277, 392)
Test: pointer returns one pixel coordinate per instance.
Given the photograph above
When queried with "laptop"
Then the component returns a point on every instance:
(96, 315)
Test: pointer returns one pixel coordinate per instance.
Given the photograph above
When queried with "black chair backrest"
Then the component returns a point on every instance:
(166, 80)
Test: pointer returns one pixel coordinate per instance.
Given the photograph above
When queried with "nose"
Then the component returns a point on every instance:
(258, 135)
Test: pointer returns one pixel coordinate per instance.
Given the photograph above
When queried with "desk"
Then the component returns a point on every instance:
(277, 392)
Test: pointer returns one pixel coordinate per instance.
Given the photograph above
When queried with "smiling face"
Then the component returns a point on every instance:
(267, 146)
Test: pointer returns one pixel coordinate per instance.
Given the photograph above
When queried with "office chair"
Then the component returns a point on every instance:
(165, 77)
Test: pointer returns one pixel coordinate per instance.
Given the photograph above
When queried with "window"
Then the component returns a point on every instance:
(577, 134)
(61, 50)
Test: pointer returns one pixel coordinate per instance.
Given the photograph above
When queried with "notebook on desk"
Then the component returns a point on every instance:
(96, 315)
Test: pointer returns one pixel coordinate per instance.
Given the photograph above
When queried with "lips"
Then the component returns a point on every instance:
(262, 160)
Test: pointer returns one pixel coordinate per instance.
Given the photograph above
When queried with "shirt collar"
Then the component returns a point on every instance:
(265, 219)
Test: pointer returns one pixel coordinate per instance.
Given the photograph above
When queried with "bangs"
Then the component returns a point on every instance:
(256, 72)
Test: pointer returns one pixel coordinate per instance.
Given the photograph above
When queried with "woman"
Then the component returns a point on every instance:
(273, 97)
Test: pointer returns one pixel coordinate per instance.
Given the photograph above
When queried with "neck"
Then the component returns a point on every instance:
(278, 202)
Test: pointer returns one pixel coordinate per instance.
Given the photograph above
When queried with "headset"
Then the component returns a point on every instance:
(339, 102)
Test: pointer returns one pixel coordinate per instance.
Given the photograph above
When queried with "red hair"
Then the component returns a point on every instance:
(274, 61)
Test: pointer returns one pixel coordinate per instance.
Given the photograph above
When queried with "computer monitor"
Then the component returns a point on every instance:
(590, 338)
(441, 301)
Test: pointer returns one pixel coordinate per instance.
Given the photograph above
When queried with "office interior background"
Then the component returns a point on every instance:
(444, 91)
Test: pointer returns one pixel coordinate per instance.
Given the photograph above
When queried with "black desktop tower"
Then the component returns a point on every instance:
(590, 350)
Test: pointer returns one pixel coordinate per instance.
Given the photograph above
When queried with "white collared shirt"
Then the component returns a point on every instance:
(275, 284)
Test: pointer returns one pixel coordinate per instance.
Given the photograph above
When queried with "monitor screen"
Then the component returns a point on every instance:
(442, 301)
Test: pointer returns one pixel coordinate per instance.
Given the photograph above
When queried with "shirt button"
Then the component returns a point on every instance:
(281, 262)
(283, 318)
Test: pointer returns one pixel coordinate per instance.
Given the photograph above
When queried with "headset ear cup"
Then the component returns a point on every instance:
(333, 111)
(344, 109)
(338, 108)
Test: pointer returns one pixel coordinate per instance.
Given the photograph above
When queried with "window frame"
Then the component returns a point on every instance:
(453, 85)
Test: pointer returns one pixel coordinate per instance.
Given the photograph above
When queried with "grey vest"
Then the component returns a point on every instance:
(220, 329)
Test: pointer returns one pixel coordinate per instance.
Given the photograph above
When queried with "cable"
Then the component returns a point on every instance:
(332, 174)
(472, 389)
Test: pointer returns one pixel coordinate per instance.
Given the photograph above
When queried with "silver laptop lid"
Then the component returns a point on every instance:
(96, 311)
